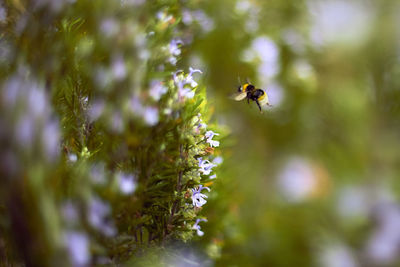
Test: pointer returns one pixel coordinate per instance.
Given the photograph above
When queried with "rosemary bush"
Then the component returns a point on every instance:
(106, 145)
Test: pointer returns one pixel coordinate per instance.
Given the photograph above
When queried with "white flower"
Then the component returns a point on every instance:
(218, 160)
(209, 135)
(77, 244)
(205, 166)
(181, 81)
(174, 47)
(157, 89)
(150, 116)
(196, 226)
(118, 68)
(198, 198)
(199, 124)
(172, 60)
(127, 183)
(72, 157)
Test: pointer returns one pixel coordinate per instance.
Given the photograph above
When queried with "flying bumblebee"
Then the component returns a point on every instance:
(250, 92)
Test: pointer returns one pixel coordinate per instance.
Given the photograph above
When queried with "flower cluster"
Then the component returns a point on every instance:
(185, 83)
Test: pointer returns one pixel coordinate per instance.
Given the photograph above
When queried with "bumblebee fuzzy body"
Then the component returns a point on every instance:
(250, 92)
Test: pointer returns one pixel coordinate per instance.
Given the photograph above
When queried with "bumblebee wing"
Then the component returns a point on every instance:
(239, 96)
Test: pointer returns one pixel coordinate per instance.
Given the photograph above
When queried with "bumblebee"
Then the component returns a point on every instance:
(250, 92)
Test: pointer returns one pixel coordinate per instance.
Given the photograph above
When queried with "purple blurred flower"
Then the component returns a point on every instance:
(99, 212)
(127, 183)
(150, 116)
(196, 226)
(157, 89)
(77, 244)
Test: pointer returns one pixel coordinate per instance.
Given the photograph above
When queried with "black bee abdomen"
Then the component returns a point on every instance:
(257, 94)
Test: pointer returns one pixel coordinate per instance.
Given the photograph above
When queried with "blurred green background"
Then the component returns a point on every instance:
(314, 180)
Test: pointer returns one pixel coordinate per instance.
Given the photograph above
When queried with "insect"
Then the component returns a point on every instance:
(250, 92)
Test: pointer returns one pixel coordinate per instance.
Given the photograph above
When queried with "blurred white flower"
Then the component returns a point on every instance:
(353, 202)
(150, 116)
(264, 49)
(337, 255)
(51, 139)
(383, 245)
(206, 23)
(296, 181)
(157, 89)
(163, 16)
(96, 109)
(3, 14)
(187, 17)
(196, 226)
(117, 123)
(72, 157)
(118, 68)
(340, 21)
(127, 183)
(77, 244)
(294, 40)
(69, 212)
(218, 160)
(172, 60)
(303, 69)
(25, 130)
(109, 27)
(174, 47)
(98, 216)
(97, 174)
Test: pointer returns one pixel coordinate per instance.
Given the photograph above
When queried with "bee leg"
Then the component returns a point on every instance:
(258, 104)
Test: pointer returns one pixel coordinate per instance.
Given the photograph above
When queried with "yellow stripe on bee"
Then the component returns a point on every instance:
(263, 100)
(245, 87)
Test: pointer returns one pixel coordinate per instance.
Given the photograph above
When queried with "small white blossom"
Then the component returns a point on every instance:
(72, 157)
(198, 198)
(196, 226)
(209, 135)
(157, 90)
(127, 183)
(172, 60)
(214, 176)
(164, 17)
(119, 68)
(205, 166)
(218, 160)
(174, 47)
(109, 27)
(150, 116)
(182, 81)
